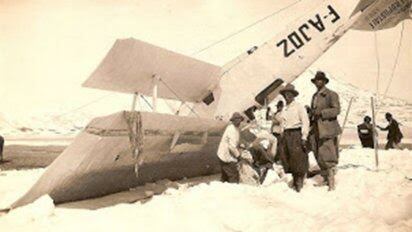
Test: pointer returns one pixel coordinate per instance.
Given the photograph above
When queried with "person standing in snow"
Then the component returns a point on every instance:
(394, 132)
(294, 139)
(228, 151)
(365, 132)
(325, 109)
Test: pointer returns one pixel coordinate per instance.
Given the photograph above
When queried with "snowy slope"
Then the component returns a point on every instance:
(361, 105)
(65, 121)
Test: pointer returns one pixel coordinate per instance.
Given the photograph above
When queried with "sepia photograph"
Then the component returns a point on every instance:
(206, 115)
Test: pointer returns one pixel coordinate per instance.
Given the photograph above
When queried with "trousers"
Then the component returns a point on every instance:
(229, 172)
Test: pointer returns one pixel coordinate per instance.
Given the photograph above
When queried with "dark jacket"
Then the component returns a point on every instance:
(394, 132)
(365, 131)
(327, 101)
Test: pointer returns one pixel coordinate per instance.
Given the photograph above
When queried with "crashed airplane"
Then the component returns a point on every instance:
(126, 149)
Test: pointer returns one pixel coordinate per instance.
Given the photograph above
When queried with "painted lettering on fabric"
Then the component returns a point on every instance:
(396, 7)
(302, 35)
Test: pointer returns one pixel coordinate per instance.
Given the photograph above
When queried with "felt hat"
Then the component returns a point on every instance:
(289, 88)
(235, 116)
(320, 76)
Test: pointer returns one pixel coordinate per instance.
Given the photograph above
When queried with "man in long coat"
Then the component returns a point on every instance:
(325, 110)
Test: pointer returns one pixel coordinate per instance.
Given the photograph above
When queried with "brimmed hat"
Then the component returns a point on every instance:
(289, 88)
(235, 116)
(320, 76)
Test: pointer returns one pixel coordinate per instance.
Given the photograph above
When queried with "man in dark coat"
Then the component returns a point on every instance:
(394, 133)
(325, 109)
(365, 133)
(294, 139)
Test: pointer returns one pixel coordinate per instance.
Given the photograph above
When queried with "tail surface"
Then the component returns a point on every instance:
(382, 14)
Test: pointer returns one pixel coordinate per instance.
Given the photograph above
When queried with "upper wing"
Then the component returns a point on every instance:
(382, 14)
(133, 66)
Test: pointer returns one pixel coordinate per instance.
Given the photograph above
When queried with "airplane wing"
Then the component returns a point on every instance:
(256, 76)
(259, 74)
(133, 66)
(382, 14)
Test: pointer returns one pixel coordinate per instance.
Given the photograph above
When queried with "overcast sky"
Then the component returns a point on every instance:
(48, 48)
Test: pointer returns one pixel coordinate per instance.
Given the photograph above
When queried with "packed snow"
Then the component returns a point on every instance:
(365, 200)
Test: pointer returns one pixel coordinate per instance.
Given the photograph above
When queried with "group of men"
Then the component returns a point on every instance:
(366, 132)
(297, 131)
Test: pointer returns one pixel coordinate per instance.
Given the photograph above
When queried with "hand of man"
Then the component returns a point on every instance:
(317, 112)
(304, 146)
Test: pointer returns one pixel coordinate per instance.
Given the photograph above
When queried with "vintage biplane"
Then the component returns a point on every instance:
(126, 149)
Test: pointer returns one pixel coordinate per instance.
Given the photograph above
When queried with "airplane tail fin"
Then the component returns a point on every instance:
(381, 14)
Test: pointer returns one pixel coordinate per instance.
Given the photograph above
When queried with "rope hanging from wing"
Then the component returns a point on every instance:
(378, 63)
(395, 65)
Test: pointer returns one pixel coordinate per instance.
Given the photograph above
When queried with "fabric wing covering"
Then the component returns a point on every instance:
(130, 67)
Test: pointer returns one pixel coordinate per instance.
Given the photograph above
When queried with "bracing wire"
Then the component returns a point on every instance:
(395, 65)
(146, 101)
(178, 97)
(197, 52)
(85, 105)
(378, 63)
(245, 28)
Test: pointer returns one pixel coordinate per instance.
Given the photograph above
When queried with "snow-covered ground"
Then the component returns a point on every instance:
(365, 200)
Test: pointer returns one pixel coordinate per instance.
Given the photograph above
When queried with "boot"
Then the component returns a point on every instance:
(331, 179)
(324, 181)
(299, 183)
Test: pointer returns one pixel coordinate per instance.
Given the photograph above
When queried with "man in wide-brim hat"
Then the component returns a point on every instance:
(296, 129)
(325, 109)
(228, 151)
(320, 76)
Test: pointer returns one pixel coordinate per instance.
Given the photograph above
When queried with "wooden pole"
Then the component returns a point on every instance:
(375, 140)
(346, 119)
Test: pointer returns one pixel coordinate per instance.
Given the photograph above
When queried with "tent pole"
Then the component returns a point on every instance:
(346, 119)
(375, 140)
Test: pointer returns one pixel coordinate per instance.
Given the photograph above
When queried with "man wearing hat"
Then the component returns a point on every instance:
(228, 151)
(394, 133)
(325, 110)
(295, 134)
